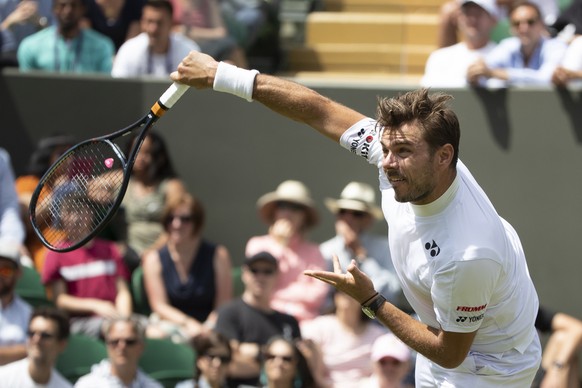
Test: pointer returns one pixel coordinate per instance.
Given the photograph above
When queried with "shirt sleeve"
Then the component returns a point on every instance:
(11, 227)
(461, 293)
(50, 269)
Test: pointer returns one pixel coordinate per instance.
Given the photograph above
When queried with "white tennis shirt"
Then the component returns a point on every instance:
(462, 267)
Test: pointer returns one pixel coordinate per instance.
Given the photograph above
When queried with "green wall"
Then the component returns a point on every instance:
(523, 145)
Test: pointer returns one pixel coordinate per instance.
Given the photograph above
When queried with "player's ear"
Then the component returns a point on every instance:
(445, 155)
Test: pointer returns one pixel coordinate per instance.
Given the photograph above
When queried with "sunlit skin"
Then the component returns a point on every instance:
(124, 358)
(213, 368)
(143, 158)
(287, 223)
(280, 372)
(476, 25)
(179, 228)
(417, 174)
(529, 35)
(259, 286)
(42, 353)
(391, 372)
(157, 24)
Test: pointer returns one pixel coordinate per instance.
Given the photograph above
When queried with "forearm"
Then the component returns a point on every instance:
(75, 305)
(172, 314)
(123, 303)
(12, 353)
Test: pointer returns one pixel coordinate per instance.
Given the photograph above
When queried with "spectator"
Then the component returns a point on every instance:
(447, 66)
(152, 185)
(528, 58)
(447, 32)
(345, 339)
(14, 311)
(11, 227)
(125, 342)
(249, 322)
(116, 19)
(285, 366)
(48, 150)
(19, 19)
(90, 283)
(290, 213)
(246, 18)
(392, 362)
(156, 51)
(48, 331)
(213, 354)
(189, 278)
(560, 362)
(66, 47)
(356, 212)
(569, 71)
(202, 21)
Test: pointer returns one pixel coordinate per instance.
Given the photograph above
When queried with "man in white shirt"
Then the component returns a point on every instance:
(157, 51)
(48, 331)
(461, 266)
(14, 311)
(447, 67)
(125, 344)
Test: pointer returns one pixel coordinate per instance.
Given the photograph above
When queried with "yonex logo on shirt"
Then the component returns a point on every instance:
(471, 319)
(432, 248)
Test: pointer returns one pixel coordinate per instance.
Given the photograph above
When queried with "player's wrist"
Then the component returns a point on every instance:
(234, 80)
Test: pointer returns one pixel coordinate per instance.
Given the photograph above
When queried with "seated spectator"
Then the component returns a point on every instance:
(560, 361)
(528, 58)
(152, 185)
(569, 71)
(66, 47)
(19, 19)
(189, 278)
(11, 227)
(48, 332)
(156, 51)
(47, 152)
(345, 339)
(249, 321)
(202, 21)
(448, 25)
(245, 18)
(290, 213)
(284, 366)
(447, 66)
(125, 342)
(14, 311)
(355, 212)
(392, 363)
(213, 354)
(116, 19)
(90, 283)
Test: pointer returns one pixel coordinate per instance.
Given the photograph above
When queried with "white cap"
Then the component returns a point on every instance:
(10, 251)
(488, 5)
(388, 345)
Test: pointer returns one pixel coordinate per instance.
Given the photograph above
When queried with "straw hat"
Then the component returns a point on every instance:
(356, 196)
(288, 191)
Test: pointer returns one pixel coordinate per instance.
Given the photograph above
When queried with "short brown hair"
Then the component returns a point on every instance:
(195, 207)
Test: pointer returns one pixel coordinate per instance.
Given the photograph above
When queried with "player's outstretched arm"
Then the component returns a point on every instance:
(285, 97)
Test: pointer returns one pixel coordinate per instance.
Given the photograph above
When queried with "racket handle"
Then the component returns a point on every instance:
(173, 94)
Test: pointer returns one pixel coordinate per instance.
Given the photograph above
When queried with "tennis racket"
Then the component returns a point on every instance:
(82, 190)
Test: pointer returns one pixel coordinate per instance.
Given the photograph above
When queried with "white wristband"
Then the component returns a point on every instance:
(234, 80)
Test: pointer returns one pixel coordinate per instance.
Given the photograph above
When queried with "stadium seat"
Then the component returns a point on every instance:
(81, 353)
(167, 362)
(140, 299)
(30, 288)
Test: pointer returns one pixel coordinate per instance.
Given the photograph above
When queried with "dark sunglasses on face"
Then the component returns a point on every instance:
(286, 359)
(127, 341)
(223, 358)
(529, 22)
(284, 205)
(183, 219)
(42, 334)
(265, 271)
(389, 361)
(7, 272)
(355, 213)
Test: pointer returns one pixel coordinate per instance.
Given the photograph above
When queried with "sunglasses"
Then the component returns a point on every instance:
(354, 213)
(257, 271)
(7, 272)
(529, 22)
(284, 205)
(42, 334)
(223, 358)
(183, 219)
(389, 361)
(271, 357)
(127, 341)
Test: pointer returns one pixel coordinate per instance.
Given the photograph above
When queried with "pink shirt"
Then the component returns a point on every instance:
(295, 293)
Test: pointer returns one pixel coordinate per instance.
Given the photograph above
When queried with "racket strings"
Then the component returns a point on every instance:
(79, 193)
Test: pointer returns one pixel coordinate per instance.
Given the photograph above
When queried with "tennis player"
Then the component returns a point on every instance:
(462, 266)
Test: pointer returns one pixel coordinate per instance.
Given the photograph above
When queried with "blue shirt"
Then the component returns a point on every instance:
(89, 52)
(507, 55)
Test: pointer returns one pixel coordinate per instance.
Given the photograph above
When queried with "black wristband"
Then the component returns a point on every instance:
(369, 299)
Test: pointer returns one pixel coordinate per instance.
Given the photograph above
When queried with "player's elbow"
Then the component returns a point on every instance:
(451, 363)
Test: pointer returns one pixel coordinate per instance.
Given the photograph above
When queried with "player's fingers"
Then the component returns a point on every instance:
(337, 267)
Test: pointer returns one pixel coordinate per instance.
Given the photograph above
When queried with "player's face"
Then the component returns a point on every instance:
(409, 165)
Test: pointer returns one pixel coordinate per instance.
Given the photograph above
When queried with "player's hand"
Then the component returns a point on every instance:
(353, 282)
(196, 70)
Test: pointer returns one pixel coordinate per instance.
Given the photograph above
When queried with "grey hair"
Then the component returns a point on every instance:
(133, 320)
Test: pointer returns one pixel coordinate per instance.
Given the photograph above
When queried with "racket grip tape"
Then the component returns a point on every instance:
(169, 98)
